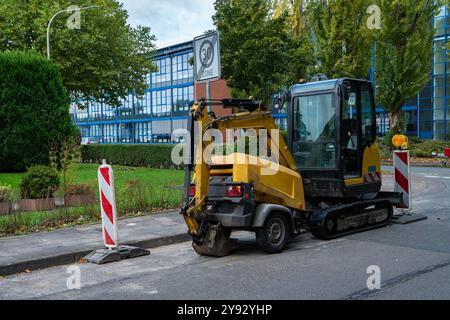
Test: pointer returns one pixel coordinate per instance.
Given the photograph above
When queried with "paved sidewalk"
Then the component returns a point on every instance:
(65, 246)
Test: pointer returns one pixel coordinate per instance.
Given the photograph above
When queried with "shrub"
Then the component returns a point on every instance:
(34, 110)
(79, 190)
(152, 156)
(414, 140)
(387, 139)
(5, 194)
(39, 182)
(425, 148)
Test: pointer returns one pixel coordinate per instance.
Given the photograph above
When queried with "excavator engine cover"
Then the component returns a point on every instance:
(216, 242)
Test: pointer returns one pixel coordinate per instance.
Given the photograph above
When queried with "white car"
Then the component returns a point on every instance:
(86, 141)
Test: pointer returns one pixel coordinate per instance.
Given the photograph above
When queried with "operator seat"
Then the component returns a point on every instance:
(349, 145)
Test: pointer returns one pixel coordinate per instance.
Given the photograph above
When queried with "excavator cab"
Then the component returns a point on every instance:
(332, 133)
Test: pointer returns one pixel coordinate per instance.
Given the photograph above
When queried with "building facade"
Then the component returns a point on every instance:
(153, 117)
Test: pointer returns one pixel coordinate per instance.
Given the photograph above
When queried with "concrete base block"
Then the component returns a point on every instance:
(408, 218)
(103, 256)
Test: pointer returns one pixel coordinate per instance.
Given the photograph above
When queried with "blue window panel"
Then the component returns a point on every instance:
(183, 99)
(162, 76)
(182, 71)
(161, 103)
(142, 106)
(142, 132)
(125, 132)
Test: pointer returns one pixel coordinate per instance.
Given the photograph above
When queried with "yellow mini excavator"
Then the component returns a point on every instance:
(328, 176)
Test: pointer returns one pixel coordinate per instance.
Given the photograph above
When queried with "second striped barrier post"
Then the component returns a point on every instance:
(403, 181)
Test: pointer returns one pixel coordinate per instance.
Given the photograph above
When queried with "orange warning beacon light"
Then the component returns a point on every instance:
(401, 142)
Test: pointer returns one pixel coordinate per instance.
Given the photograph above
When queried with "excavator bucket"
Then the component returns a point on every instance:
(215, 244)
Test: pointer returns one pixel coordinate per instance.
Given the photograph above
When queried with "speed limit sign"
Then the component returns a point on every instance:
(207, 57)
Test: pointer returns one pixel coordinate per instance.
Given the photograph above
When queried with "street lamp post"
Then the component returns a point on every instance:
(53, 18)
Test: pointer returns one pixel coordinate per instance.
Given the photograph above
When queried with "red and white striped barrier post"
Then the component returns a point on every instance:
(402, 176)
(108, 206)
(114, 252)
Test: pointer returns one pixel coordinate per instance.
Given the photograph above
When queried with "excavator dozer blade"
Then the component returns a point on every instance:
(215, 244)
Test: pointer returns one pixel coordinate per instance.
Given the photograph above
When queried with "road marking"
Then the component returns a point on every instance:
(432, 177)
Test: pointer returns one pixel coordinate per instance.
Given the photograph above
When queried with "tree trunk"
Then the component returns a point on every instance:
(395, 121)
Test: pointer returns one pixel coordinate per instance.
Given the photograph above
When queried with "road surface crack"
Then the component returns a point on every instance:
(366, 293)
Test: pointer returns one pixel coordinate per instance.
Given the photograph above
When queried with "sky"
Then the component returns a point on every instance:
(172, 21)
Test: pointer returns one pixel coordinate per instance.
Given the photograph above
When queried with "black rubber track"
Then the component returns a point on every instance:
(318, 227)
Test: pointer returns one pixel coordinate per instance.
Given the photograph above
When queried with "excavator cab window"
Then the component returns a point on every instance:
(350, 142)
(357, 125)
(314, 138)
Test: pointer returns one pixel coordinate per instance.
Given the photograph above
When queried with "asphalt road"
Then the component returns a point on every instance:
(414, 261)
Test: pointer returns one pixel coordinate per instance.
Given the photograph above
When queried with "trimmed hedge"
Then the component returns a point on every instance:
(34, 110)
(149, 155)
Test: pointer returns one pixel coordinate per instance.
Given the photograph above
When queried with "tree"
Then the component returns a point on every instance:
(403, 52)
(257, 49)
(296, 14)
(301, 49)
(341, 38)
(34, 110)
(104, 59)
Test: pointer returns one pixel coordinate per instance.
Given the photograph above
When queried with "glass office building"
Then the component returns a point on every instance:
(426, 116)
(151, 118)
(441, 77)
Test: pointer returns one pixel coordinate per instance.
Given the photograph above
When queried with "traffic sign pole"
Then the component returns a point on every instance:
(208, 94)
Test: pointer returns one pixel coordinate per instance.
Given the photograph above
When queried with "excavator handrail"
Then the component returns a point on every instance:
(232, 117)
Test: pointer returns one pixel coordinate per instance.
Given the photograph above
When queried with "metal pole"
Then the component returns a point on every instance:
(53, 18)
(372, 67)
(208, 94)
(48, 32)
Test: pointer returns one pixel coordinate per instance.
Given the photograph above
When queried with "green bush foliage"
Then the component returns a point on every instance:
(39, 182)
(387, 140)
(425, 148)
(34, 110)
(6, 193)
(151, 156)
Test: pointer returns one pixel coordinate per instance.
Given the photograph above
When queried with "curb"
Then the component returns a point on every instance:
(417, 164)
(74, 256)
